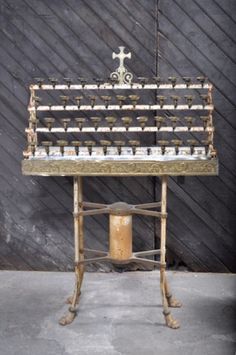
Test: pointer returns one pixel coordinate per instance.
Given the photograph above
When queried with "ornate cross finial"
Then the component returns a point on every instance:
(121, 74)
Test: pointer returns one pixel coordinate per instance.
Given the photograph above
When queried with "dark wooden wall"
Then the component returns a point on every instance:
(198, 37)
(75, 37)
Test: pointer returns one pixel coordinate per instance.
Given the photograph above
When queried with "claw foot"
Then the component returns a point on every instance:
(68, 318)
(171, 322)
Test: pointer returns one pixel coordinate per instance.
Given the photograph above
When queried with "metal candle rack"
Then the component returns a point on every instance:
(177, 115)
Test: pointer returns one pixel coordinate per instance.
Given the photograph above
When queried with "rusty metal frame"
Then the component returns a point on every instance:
(83, 208)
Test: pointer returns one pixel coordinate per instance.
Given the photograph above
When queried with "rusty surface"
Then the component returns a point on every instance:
(120, 237)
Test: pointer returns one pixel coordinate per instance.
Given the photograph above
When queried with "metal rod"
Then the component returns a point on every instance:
(118, 107)
(163, 218)
(163, 247)
(149, 205)
(79, 252)
(123, 129)
(128, 260)
(170, 321)
(81, 226)
(106, 86)
(147, 252)
(76, 220)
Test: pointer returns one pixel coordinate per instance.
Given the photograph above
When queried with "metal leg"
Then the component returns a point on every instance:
(79, 252)
(170, 321)
(172, 301)
(167, 299)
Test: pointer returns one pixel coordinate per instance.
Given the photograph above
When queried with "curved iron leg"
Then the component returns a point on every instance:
(170, 321)
(74, 299)
(79, 252)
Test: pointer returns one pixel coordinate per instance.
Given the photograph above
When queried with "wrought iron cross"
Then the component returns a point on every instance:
(121, 74)
(122, 55)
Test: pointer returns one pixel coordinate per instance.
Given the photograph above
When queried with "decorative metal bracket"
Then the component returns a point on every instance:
(121, 75)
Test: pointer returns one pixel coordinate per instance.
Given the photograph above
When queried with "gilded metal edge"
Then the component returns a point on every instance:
(118, 168)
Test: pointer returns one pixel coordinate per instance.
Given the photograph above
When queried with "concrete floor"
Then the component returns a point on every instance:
(119, 314)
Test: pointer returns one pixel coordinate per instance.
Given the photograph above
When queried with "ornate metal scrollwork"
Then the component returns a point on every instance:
(121, 75)
(118, 168)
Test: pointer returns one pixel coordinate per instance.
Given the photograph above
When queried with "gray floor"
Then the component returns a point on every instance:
(119, 314)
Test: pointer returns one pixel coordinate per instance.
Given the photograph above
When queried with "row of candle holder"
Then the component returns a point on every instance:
(192, 143)
(126, 120)
(142, 80)
(206, 100)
